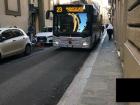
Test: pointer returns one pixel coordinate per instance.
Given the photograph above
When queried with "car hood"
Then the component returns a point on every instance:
(47, 34)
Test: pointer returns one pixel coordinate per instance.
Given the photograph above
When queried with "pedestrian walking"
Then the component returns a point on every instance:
(110, 30)
(102, 28)
(106, 25)
(31, 31)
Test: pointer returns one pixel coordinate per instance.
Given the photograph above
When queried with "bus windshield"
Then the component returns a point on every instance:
(71, 23)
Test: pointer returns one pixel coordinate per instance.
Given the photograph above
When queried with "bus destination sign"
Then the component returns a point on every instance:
(60, 9)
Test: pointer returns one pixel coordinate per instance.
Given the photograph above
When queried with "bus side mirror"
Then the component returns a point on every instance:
(48, 14)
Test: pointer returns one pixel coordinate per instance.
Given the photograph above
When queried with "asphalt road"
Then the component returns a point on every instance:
(40, 78)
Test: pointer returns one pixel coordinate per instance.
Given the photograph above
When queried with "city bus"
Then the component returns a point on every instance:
(76, 26)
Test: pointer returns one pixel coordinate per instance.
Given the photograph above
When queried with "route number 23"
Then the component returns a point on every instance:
(59, 9)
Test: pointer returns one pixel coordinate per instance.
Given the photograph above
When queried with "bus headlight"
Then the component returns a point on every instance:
(85, 44)
(56, 42)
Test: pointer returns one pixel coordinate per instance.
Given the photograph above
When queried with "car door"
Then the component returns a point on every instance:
(7, 47)
(19, 40)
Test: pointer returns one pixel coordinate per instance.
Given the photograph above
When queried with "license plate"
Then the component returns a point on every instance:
(70, 45)
(41, 41)
(63, 45)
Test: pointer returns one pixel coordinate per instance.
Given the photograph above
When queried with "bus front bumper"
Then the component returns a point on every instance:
(72, 45)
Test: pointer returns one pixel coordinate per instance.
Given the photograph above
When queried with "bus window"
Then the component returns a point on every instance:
(72, 23)
(83, 23)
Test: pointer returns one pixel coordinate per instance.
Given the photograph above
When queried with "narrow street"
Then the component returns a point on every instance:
(69, 52)
(40, 78)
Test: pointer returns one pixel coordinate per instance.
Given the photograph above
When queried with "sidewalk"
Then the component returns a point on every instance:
(96, 85)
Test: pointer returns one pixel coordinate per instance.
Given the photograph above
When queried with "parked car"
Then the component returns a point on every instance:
(46, 36)
(14, 41)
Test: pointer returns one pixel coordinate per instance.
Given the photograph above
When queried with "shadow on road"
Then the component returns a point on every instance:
(19, 56)
(12, 58)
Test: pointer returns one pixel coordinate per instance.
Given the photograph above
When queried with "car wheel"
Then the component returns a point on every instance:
(27, 50)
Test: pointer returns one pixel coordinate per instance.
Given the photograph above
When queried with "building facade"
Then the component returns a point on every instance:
(126, 21)
(22, 13)
(103, 9)
(12, 13)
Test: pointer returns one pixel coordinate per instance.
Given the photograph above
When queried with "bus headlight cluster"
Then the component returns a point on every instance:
(56, 42)
(85, 44)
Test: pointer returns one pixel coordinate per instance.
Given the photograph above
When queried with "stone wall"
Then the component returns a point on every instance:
(126, 21)
(11, 20)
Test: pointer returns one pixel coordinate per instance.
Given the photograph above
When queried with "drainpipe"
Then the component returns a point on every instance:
(41, 14)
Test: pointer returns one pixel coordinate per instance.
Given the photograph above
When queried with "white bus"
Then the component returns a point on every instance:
(76, 26)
